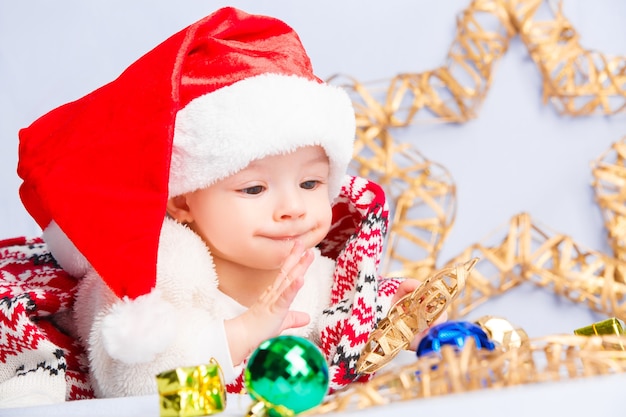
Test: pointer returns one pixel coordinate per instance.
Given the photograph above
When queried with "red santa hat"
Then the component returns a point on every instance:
(202, 105)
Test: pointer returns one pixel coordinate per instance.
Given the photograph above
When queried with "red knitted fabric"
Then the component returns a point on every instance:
(34, 294)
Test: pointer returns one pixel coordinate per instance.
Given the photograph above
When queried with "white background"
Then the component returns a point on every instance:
(518, 156)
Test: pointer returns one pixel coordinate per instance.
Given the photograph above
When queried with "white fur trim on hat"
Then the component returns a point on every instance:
(218, 134)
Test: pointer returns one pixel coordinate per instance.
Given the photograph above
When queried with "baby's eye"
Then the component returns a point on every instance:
(309, 185)
(257, 189)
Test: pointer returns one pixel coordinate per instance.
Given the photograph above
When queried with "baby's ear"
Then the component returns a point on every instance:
(178, 209)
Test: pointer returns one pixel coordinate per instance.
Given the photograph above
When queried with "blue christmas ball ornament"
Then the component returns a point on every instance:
(454, 333)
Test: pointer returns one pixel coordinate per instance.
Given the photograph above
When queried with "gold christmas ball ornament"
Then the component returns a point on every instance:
(503, 332)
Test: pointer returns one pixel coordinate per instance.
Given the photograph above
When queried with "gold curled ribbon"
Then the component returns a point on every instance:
(192, 391)
(411, 315)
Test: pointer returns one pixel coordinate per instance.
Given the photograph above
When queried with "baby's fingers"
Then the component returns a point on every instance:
(291, 285)
(297, 250)
(293, 269)
(295, 319)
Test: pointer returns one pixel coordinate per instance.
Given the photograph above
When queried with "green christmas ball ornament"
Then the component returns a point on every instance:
(286, 375)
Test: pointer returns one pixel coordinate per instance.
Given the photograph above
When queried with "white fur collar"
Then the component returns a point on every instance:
(186, 297)
(186, 271)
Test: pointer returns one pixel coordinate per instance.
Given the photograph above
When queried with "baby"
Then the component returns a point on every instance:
(202, 201)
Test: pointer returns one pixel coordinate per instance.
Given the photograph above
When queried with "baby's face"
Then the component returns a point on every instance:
(253, 217)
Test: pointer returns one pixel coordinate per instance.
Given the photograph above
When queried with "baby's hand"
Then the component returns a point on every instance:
(270, 315)
(406, 287)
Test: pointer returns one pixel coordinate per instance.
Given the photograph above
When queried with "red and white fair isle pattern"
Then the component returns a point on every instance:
(360, 297)
(35, 352)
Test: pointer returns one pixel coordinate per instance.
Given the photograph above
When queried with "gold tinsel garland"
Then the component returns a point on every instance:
(577, 82)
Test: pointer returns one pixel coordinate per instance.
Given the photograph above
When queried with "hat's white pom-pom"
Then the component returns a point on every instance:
(136, 330)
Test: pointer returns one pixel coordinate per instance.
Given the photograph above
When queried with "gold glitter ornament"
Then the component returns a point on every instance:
(502, 331)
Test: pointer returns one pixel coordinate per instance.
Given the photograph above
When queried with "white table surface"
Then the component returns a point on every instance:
(594, 396)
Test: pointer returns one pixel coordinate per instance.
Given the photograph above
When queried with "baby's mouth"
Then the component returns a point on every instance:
(286, 238)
